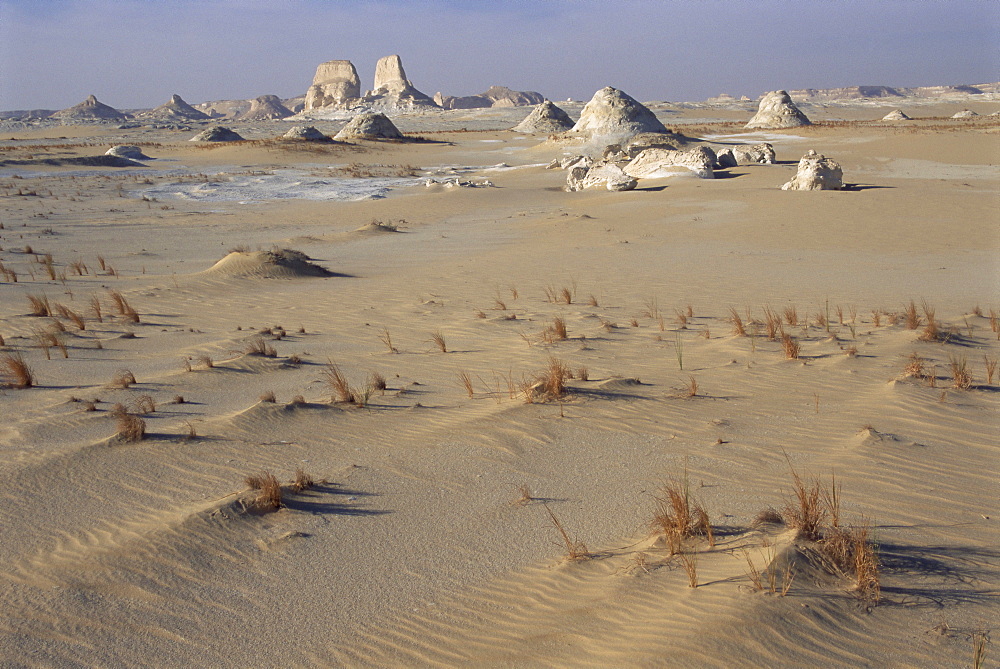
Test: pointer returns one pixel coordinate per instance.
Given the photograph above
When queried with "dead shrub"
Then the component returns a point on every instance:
(302, 481)
(130, 428)
(16, 371)
(269, 490)
(337, 383)
(123, 378)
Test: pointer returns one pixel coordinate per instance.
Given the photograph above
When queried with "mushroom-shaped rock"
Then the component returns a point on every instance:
(306, 133)
(217, 133)
(369, 126)
(656, 163)
(816, 172)
(610, 177)
(266, 108)
(127, 151)
(896, 115)
(336, 82)
(965, 113)
(777, 111)
(612, 113)
(90, 109)
(546, 118)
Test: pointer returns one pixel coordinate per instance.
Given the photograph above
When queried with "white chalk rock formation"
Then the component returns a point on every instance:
(306, 133)
(176, 110)
(266, 108)
(393, 91)
(777, 111)
(965, 113)
(613, 114)
(546, 118)
(217, 133)
(816, 172)
(654, 140)
(90, 110)
(495, 96)
(127, 151)
(761, 154)
(656, 163)
(610, 177)
(896, 115)
(335, 84)
(369, 126)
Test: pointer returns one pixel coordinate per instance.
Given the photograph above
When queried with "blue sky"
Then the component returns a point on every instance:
(135, 53)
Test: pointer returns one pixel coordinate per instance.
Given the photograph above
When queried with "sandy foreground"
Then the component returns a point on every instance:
(427, 538)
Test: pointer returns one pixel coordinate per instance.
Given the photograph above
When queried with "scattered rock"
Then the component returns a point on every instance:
(369, 126)
(655, 163)
(762, 154)
(777, 111)
(654, 140)
(896, 115)
(306, 133)
(217, 133)
(546, 118)
(816, 172)
(126, 151)
(610, 177)
(90, 109)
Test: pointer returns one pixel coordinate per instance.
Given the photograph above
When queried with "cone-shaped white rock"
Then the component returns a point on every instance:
(90, 109)
(896, 115)
(777, 111)
(369, 126)
(543, 119)
(177, 110)
(965, 113)
(614, 114)
(306, 133)
(216, 133)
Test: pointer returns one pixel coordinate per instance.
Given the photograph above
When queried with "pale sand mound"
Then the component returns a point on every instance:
(277, 264)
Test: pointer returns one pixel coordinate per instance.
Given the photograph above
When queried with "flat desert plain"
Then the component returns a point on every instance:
(705, 422)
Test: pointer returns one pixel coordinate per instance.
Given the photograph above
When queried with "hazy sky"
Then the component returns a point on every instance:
(135, 53)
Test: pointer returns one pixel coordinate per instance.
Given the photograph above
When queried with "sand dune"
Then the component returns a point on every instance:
(420, 548)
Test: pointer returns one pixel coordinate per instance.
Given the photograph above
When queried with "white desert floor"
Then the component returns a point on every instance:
(413, 549)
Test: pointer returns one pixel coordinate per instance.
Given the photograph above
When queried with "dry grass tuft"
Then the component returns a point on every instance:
(16, 370)
(961, 377)
(95, 307)
(575, 550)
(691, 389)
(39, 305)
(269, 490)
(524, 497)
(268, 397)
(789, 346)
(677, 516)
(912, 317)
(466, 381)
(130, 428)
(915, 366)
(806, 512)
(551, 383)
(991, 368)
(259, 346)
(556, 331)
(690, 562)
(438, 340)
(302, 481)
(791, 316)
(338, 385)
(386, 339)
(123, 378)
(377, 382)
(738, 328)
(144, 405)
(772, 322)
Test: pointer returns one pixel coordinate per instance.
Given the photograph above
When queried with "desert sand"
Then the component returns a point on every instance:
(427, 538)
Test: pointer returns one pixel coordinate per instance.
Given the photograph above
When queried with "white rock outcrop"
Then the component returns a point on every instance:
(90, 109)
(546, 118)
(176, 110)
(266, 108)
(127, 151)
(393, 91)
(896, 115)
(369, 125)
(965, 113)
(731, 156)
(614, 115)
(610, 177)
(495, 96)
(217, 133)
(656, 163)
(335, 83)
(777, 111)
(816, 172)
(306, 133)
(654, 140)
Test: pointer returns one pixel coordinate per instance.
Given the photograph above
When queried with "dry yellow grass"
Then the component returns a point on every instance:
(16, 370)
